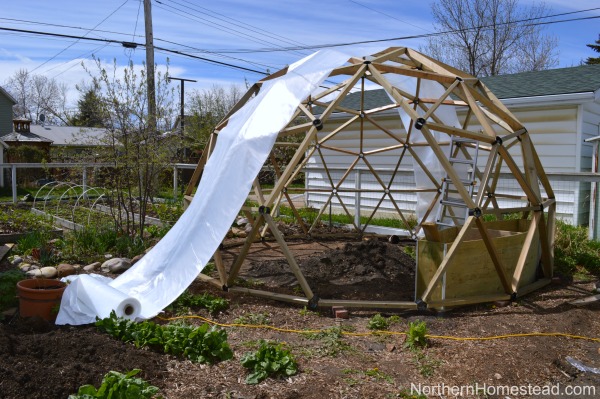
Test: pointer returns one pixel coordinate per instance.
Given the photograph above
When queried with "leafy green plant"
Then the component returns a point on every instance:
(332, 342)
(8, 288)
(378, 322)
(416, 337)
(168, 212)
(410, 251)
(213, 304)
(253, 319)
(117, 385)
(270, 360)
(16, 220)
(203, 344)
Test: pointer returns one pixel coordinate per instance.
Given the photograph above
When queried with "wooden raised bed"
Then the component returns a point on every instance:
(471, 273)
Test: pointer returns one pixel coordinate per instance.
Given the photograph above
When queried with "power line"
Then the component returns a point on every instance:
(388, 15)
(421, 36)
(134, 44)
(237, 23)
(75, 42)
(26, 21)
(131, 45)
(215, 25)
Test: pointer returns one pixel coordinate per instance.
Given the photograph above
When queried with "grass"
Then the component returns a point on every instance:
(310, 214)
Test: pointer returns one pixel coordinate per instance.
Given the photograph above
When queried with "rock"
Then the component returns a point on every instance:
(49, 272)
(136, 258)
(390, 347)
(241, 221)
(25, 267)
(17, 260)
(501, 304)
(116, 265)
(34, 273)
(77, 267)
(92, 266)
(497, 376)
(237, 232)
(108, 256)
(65, 269)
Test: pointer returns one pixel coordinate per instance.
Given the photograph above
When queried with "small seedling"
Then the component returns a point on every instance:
(378, 322)
(332, 342)
(257, 319)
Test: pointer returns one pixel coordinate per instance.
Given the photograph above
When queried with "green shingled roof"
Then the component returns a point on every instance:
(580, 79)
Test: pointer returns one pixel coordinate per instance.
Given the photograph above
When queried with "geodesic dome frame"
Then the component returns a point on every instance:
(460, 161)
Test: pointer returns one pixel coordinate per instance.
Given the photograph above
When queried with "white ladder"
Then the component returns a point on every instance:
(463, 158)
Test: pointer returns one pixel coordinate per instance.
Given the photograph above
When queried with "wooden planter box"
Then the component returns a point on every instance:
(471, 273)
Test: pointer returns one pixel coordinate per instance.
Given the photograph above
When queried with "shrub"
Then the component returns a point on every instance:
(573, 249)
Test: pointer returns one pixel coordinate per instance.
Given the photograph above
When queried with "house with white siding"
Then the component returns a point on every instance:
(560, 109)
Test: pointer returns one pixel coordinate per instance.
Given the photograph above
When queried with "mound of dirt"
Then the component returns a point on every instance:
(370, 269)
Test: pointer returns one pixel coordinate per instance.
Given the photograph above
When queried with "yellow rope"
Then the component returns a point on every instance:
(383, 332)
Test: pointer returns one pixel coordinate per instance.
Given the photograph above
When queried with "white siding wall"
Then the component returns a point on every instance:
(553, 131)
(590, 127)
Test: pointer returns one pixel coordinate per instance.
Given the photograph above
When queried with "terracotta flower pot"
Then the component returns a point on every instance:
(40, 297)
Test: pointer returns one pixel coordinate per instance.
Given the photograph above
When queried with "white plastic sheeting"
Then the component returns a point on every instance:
(83, 301)
(447, 114)
(242, 148)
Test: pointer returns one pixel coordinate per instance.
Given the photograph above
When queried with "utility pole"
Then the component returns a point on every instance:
(182, 104)
(182, 80)
(150, 67)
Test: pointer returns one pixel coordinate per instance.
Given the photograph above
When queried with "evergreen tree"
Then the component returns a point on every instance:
(89, 112)
(596, 48)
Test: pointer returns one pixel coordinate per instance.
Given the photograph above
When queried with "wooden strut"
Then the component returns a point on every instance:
(289, 256)
(443, 267)
(527, 246)
(466, 91)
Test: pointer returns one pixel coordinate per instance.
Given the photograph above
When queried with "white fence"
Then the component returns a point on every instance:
(577, 197)
(84, 168)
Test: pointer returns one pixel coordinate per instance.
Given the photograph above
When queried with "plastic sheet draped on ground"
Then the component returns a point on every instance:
(242, 148)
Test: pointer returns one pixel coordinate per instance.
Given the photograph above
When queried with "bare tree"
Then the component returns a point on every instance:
(206, 108)
(37, 95)
(138, 153)
(491, 37)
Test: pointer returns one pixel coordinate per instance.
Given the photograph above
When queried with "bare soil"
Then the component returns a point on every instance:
(39, 360)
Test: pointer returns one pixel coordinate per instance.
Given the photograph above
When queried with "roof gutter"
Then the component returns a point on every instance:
(554, 99)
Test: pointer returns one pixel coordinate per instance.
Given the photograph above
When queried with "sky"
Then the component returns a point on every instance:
(253, 35)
